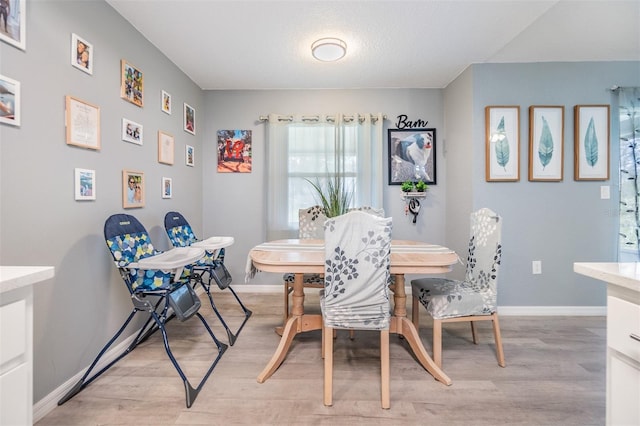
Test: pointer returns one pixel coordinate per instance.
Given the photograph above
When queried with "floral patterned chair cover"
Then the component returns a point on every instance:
(356, 279)
(476, 296)
(181, 234)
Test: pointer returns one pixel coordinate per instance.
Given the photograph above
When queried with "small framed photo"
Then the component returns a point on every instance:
(502, 143)
(131, 84)
(546, 143)
(81, 54)
(132, 132)
(591, 144)
(133, 189)
(83, 123)
(189, 119)
(166, 102)
(167, 187)
(412, 156)
(189, 156)
(9, 101)
(85, 184)
(13, 16)
(165, 147)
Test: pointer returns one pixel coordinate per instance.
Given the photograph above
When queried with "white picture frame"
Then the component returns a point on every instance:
(167, 187)
(85, 184)
(132, 132)
(9, 101)
(82, 54)
(189, 117)
(17, 22)
(189, 156)
(165, 102)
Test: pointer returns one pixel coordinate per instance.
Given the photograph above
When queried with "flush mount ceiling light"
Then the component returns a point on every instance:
(328, 49)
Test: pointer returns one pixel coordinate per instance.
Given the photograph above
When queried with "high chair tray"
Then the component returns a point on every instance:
(213, 243)
(171, 259)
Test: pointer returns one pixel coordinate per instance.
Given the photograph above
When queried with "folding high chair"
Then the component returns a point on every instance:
(181, 235)
(154, 290)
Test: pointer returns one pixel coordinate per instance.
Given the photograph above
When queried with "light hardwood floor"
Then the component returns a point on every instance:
(555, 375)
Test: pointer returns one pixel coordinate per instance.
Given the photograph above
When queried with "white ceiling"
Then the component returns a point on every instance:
(391, 44)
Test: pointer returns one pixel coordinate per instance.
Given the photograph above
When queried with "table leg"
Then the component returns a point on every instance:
(289, 331)
(401, 325)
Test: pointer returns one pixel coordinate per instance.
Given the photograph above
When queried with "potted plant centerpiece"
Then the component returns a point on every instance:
(335, 197)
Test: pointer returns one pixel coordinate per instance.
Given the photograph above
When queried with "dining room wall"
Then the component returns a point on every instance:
(41, 223)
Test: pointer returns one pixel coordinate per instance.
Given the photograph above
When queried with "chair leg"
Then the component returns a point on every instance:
(328, 367)
(384, 369)
(473, 332)
(437, 342)
(415, 312)
(498, 337)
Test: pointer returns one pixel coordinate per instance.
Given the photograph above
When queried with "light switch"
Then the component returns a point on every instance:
(604, 192)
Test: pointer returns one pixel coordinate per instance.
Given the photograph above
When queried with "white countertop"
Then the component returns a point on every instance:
(14, 277)
(625, 275)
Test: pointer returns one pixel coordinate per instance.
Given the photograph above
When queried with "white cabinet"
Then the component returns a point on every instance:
(623, 338)
(16, 341)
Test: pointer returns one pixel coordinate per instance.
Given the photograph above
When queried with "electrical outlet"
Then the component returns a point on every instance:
(536, 267)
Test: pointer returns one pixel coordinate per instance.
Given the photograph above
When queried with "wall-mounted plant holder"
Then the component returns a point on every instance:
(412, 203)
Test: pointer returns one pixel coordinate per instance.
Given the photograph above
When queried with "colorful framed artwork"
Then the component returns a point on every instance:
(166, 102)
(83, 123)
(85, 184)
(189, 119)
(13, 22)
(234, 151)
(132, 132)
(167, 187)
(165, 147)
(591, 142)
(131, 84)
(81, 54)
(502, 143)
(546, 143)
(412, 156)
(133, 189)
(189, 156)
(9, 101)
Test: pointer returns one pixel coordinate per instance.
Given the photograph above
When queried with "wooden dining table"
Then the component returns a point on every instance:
(305, 256)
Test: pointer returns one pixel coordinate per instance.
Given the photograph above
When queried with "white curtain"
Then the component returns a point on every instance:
(314, 147)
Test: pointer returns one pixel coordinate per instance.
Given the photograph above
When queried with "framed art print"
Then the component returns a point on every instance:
(166, 102)
(132, 132)
(165, 147)
(412, 156)
(133, 189)
(234, 151)
(81, 54)
(502, 143)
(83, 123)
(167, 187)
(13, 19)
(85, 184)
(189, 156)
(9, 101)
(546, 143)
(189, 119)
(131, 84)
(591, 142)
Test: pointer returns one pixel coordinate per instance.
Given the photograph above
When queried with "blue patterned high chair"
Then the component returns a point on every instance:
(153, 292)
(475, 298)
(181, 235)
(356, 281)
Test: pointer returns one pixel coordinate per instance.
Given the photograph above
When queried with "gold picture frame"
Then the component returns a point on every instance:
(546, 143)
(591, 142)
(83, 123)
(502, 143)
(133, 189)
(166, 144)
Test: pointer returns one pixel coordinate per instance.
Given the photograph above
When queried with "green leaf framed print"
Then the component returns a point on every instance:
(546, 143)
(502, 143)
(591, 142)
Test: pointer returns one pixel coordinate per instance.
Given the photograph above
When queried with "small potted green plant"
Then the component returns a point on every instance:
(421, 186)
(407, 186)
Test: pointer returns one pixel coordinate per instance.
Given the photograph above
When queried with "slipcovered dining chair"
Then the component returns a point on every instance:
(153, 292)
(475, 298)
(356, 294)
(181, 235)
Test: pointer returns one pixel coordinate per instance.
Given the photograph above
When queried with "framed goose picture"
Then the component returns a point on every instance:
(591, 142)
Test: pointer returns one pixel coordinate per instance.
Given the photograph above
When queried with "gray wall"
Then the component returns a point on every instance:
(40, 222)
